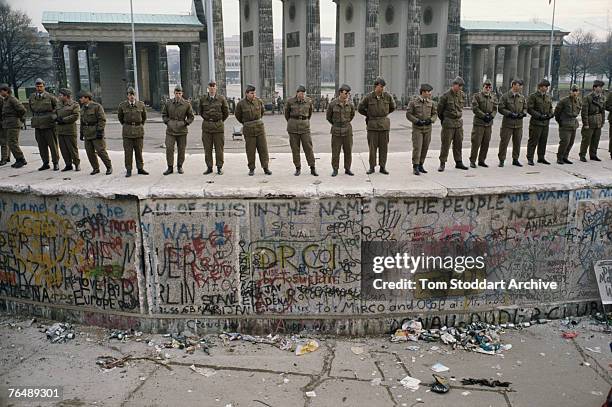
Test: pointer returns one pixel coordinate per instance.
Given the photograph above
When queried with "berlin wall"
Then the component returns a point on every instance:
(288, 264)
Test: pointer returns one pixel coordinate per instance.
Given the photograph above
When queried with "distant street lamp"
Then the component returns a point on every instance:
(134, 52)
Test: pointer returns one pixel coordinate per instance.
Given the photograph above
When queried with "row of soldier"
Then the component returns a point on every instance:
(55, 125)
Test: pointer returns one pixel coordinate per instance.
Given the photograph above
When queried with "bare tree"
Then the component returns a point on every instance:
(603, 59)
(22, 56)
(578, 55)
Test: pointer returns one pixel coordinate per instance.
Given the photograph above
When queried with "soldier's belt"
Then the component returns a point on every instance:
(37, 114)
(299, 117)
(133, 123)
(256, 121)
(89, 124)
(212, 120)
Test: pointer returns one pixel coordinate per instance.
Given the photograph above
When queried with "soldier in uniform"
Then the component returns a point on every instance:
(376, 107)
(67, 113)
(249, 113)
(13, 113)
(539, 106)
(340, 113)
(132, 115)
(593, 118)
(609, 109)
(298, 113)
(177, 114)
(484, 106)
(93, 121)
(422, 113)
(513, 107)
(450, 110)
(214, 111)
(43, 105)
(566, 113)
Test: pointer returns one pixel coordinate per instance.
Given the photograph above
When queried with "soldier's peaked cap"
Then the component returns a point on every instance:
(425, 87)
(544, 82)
(301, 88)
(345, 87)
(458, 81)
(380, 81)
(131, 91)
(250, 88)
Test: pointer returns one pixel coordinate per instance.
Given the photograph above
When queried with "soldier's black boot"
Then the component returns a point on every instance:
(530, 161)
(77, 167)
(55, 167)
(298, 171)
(348, 172)
(3, 162)
(583, 159)
(334, 172)
(415, 169)
(95, 171)
(128, 173)
(384, 171)
(169, 171)
(19, 163)
(180, 170)
(67, 168)
(109, 171)
(142, 171)
(566, 161)
(422, 169)
(45, 166)
(483, 164)
(517, 163)
(501, 164)
(251, 173)
(595, 158)
(560, 161)
(459, 165)
(313, 171)
(472, 164)
(267, 171)
(370, 171)
(441, 167)
(543, 161)
(208, 171)
(219, 171)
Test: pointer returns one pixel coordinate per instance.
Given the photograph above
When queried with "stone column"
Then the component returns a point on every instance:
(535, 69)
(372, 44)
(196, 82)
(556, 63)
(491, 60)
(313, 47)
(413, 47)
(59, 64)
(337, 56)
(266, 50)
(220, 75)
(451, 67)
(159, 70)
(527, 71)
(507, 67)
(186, 67)
(520, 71)
(75, 73)
(467, 67)
(94, 71)
(477, 72)
(514, 49)
(128, 64)
(542, 72)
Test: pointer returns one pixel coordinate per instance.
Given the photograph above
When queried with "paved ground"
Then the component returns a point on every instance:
(278, 140)
(544, 369)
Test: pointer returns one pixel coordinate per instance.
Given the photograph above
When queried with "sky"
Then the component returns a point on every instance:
(590, 15)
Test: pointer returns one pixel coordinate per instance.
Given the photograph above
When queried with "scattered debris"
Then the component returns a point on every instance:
(206, 372)
(376, 381)
(439, 368)
(485, 382)
(60, 332)
(410, 383)
(569, 334)
(111, 362)
(440, 384)
(595, 349)
(308, 346)
(357, 350)
(465, 393)
(311, 394)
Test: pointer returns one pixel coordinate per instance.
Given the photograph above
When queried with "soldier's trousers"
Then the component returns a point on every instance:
(610, 140)
(95, 148)
(305, 140)
(590, 142)
(481, 137)
(47, 141)
(344, 143)
(452, 136)
(421, 137)
(70, 149)
(133, 147)
(5, 153)
(257, 144)
(13, 142)
(378, 141)
(567, 135)
(181, 146)
(516, 134)
(213, 140)
(538, 136)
